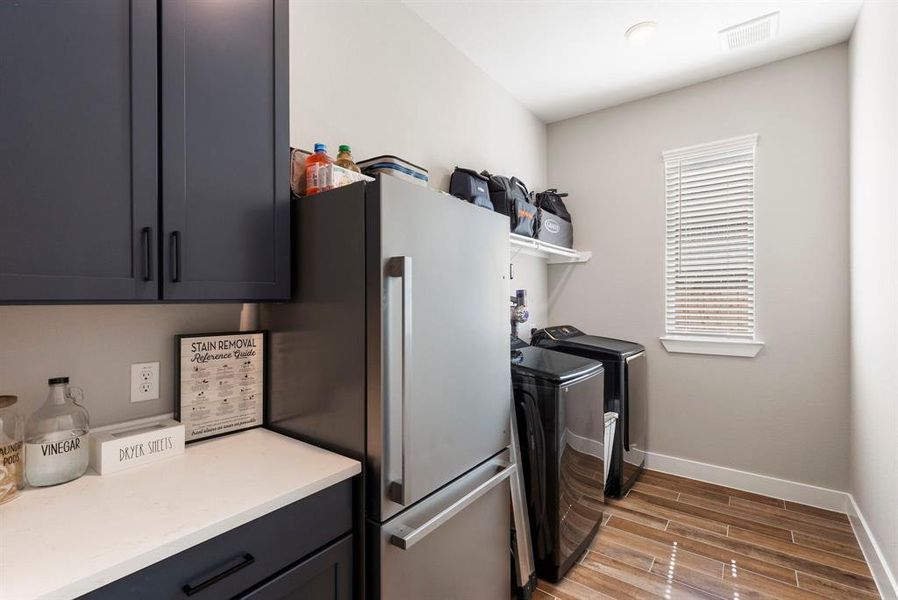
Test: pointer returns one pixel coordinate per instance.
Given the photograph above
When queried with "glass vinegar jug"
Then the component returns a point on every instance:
(56, 444)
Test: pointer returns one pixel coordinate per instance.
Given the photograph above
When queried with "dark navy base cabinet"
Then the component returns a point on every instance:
(303, 551)
(325, 576)
(144, 152)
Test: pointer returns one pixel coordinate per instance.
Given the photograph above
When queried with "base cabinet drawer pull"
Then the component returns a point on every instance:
(226, 571)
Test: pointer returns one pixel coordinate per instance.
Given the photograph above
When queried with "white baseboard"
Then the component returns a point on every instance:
(882, 574)
(793, 491)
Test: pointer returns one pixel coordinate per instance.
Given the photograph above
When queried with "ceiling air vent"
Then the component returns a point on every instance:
(751, 32)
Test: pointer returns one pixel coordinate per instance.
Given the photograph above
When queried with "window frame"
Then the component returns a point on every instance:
(694, 342)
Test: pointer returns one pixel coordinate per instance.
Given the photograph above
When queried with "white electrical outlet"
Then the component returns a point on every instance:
(144, 381)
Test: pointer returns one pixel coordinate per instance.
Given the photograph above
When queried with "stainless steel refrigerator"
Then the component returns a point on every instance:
(394, 351)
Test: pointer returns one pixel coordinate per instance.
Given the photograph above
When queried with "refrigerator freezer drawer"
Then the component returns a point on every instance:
(453, 545)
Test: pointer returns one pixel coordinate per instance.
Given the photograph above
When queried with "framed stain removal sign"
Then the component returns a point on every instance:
(219, 382)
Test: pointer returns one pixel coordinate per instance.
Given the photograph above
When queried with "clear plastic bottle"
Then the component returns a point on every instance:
(319, 176)
(344, 159)
(56, 444)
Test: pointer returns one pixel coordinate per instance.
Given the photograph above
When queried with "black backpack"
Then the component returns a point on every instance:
(510, 197)
(551, 202)
(471, 187)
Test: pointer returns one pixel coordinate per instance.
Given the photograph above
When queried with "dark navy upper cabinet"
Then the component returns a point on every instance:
(78, 151)
(144, 151)
(225, 150)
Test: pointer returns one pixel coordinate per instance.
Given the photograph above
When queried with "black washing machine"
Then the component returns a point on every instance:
(561, 429)
(625, 395)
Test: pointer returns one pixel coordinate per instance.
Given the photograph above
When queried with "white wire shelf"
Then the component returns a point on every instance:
(553, 254)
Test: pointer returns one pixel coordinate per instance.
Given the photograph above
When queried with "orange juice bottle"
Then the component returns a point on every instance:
(318, 173)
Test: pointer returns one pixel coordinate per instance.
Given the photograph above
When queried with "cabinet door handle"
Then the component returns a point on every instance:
(146, 235)
(175, 250)
(226, 570)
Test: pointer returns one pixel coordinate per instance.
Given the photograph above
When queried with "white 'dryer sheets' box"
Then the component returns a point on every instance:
(118, 447)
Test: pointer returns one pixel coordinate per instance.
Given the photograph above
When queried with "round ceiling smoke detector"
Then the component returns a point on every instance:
(641, 32)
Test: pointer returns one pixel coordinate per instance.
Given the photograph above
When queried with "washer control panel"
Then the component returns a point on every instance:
(562, 332)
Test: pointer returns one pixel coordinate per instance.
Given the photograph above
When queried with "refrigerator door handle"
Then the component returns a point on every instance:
(611, 419)
(406, 537)
(401, 267)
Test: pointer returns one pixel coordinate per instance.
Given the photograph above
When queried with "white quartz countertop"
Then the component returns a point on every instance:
(62, 541)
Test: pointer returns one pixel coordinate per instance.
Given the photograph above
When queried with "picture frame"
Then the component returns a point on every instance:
(220, 383)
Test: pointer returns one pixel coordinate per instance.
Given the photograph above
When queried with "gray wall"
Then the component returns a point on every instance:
(874, 272)
(785, 412)
(431, 105)
(375, 76)
(95, 346)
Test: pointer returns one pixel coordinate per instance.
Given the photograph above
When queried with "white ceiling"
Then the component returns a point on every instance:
(566, 58)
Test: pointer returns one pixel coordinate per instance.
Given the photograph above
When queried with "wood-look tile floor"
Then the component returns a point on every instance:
(672, 537)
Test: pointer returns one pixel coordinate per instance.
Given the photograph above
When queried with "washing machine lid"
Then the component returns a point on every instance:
(549, 365)
(567, 336)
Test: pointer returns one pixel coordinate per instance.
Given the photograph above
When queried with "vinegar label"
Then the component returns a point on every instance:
(56, 459)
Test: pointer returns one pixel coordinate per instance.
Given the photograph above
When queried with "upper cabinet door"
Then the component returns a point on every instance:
(225, 150)
(78, 148)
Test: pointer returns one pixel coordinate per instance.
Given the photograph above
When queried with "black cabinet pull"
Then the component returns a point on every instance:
(227, 570)
(175, 256)
(146, 235)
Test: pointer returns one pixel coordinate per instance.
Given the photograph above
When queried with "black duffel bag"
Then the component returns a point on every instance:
(471, 187)
(551, 202)
(510, 197)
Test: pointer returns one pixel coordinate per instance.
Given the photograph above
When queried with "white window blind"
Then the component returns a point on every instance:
(710, 242)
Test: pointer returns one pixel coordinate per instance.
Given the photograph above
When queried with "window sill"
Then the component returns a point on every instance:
(722, 347)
